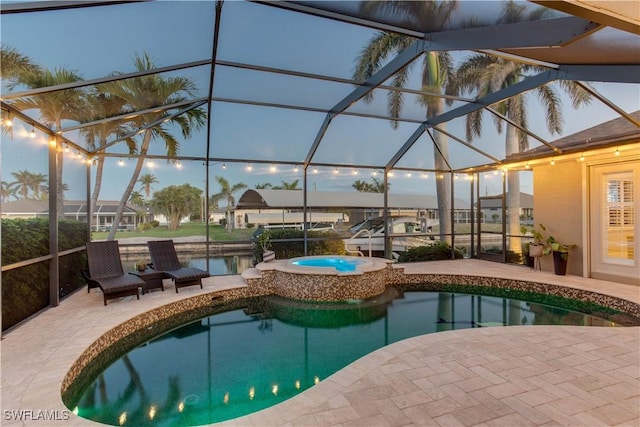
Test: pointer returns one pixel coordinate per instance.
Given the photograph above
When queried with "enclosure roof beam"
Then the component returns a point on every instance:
(526, 84)
(401, 60)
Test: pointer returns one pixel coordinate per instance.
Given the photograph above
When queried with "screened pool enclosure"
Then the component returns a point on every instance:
(105, 105)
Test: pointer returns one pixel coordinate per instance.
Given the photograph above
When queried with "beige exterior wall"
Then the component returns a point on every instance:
(558, 205)
(561, 201)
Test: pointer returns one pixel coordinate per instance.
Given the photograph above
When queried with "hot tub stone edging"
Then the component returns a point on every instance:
(322, 283)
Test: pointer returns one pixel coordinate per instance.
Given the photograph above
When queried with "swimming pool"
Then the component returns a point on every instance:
(269, 349)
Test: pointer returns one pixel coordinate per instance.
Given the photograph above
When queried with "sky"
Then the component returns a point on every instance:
(86, 40)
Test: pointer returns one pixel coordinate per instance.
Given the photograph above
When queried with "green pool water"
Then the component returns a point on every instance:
(240, 361)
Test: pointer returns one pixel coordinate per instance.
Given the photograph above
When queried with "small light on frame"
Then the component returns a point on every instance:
(335, 171)
(295, 168)
(617, 152)
(178, 165)
(224, 165)
(527, 166)
(52, 141)
(32, 134)
(249, 167)
(315, 170)
(120, 162)
(9, 121)
(582, 157)
(273, 168)
(553, 162)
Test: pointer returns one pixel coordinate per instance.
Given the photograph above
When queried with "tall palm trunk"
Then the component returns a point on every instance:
(59, 183)
(127, 192)
(98, 181)
(443, 185)
(513, 192)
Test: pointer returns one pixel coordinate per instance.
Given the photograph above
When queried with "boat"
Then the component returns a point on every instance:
(367, 237)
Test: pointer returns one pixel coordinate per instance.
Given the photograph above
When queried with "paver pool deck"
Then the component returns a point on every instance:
(501, 376)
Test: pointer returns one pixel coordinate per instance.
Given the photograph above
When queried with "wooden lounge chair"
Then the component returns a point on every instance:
(164, 258)
(106, 272)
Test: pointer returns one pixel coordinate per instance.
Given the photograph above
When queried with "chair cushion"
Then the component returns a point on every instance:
(186, 274)
(120, 283)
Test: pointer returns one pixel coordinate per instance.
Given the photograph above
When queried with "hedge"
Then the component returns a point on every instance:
(25, 290)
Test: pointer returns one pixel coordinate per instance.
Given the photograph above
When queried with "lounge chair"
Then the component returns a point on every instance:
(106, 272)
(164, 258)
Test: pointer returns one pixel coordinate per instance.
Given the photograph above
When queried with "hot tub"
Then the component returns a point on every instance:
(328, 277)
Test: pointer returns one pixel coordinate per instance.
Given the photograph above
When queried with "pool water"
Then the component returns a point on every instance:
(240, 361)
(340, 264)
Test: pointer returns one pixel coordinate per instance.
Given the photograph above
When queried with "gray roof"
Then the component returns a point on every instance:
(71, 207)
(618, 131)
(254, 198)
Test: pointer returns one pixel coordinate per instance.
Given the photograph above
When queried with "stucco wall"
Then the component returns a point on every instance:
(557, 204)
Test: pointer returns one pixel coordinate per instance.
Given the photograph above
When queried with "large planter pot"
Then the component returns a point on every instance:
(529, 261)
(560, 262)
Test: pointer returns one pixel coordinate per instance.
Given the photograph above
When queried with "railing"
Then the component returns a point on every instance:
(346, 244)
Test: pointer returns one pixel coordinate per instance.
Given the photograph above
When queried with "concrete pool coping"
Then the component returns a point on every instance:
(377, 390)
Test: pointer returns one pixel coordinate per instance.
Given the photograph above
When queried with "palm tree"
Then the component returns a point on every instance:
(14, 66)
(136, 198)
(293, 185)
(437, 70)
(483, 74)
(263, 186)
(24, 183)
(146, 181)
(226, 193)
(99, 106)
(54, 108)
(38, 185)
(8, 190)
(143, 93)
(367, 187)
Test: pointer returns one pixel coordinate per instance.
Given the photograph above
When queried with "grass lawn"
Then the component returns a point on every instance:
(216, 232)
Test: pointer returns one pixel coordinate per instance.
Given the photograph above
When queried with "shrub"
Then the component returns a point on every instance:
(433, 252)
(25, 290)
(145, 226)
(154, 223)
